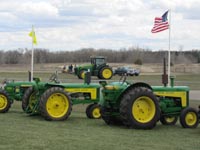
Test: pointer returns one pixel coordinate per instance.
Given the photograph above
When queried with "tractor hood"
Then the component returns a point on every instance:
(85, 66)
(10, 86)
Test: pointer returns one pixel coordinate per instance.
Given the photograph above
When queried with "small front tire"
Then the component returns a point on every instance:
(189, 118)
(108, 118)
(81, 75)
(168, 120)
(93, 111)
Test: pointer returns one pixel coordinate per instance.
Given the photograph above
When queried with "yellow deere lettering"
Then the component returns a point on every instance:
(181, 95)
(92, 91)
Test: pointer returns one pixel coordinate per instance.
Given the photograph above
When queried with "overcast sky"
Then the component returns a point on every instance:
(115, 24)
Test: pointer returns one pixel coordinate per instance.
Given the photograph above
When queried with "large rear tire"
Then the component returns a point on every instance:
(139, 108)
(189, 118)
(106, 73)
(55, 104)
(5, 103)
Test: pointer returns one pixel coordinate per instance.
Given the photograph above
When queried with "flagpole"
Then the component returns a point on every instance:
(169, 48)
(32, 57)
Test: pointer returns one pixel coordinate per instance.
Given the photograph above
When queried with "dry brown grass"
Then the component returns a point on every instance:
(145, 68)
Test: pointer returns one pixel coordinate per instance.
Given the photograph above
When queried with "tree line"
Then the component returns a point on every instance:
(131, 55)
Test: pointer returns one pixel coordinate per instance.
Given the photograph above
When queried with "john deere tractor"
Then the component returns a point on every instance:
(141, 106)
(12, 91)
(98, 67)
(53, 100)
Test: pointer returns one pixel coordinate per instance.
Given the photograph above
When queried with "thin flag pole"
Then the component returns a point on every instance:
(32, 56)
(169, 48)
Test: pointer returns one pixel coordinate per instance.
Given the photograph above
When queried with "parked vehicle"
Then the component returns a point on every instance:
(126, 70)
(98, 67)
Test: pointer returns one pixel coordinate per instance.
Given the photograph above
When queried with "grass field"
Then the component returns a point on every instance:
(22, 132)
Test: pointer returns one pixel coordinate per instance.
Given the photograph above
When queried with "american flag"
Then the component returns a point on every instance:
(160, 23)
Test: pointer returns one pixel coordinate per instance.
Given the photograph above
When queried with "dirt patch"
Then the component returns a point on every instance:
(145, 68)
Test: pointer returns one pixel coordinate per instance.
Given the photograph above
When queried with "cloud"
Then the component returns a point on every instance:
(73, 24)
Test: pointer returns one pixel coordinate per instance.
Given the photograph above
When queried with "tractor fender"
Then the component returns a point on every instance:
(135, 85)
(49, 85)
(101, 67)
(140, 84)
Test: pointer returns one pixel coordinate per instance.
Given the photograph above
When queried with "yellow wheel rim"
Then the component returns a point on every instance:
(57, 105)
(143, 109)
(169, 119)
(3, 102)
(96, 113)
(190, 118)
(82, 74)
(107, 73)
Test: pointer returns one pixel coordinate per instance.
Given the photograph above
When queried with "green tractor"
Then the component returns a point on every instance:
(141, 106)
(98, 67)
(12, 91)
(52, 100)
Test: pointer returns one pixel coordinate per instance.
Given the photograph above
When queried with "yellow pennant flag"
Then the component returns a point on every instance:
(32, 34)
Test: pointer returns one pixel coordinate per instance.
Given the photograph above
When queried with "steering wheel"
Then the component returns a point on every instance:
(123, 78)
(54, 78)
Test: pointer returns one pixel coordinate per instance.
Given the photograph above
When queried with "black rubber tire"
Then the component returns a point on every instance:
(136, 74)
(127, 102)
(164, 120)
(101, 73)
(99, 77)
(4, 97)
(26, 98)
(108, 118)
(94, 111)
(184, 115)
(88, 114)
(57, 91)
(79, 75)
